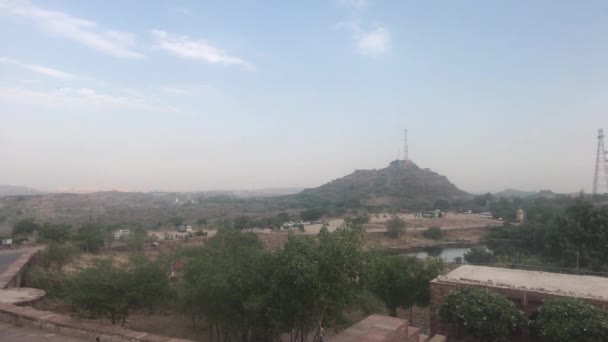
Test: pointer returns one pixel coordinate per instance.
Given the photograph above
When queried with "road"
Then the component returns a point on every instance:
(7, 257)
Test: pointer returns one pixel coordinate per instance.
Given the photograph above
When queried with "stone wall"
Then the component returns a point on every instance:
(13, 276)
(67, 326)
(526, 300)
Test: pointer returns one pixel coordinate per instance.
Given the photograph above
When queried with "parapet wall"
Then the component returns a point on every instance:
(13, 275)
(65, 325)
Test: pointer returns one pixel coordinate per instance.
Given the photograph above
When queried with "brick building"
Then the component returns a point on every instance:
(526, 289)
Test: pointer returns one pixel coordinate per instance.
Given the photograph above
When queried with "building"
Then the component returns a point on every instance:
(121, 234)
(379, 328)
(526, 289)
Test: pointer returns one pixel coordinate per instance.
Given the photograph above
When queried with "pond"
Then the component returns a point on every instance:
(448, 254)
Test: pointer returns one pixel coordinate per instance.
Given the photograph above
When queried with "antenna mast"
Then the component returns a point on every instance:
(601, 165)
(405, 151)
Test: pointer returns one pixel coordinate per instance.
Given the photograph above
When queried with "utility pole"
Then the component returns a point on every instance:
(601, 166)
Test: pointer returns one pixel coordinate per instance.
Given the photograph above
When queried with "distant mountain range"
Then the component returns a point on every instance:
(13, 190)
(400, 182)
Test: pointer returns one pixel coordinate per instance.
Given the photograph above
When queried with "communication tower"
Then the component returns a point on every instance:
(600, 177)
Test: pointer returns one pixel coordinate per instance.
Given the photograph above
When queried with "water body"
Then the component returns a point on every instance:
(448, 254)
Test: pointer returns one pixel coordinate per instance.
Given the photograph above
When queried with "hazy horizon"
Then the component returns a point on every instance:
(185, 96)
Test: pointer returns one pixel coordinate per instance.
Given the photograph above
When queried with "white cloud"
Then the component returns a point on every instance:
(38, 68)
(85, 32)
(79, 98)
(185, 47)
(373, 41)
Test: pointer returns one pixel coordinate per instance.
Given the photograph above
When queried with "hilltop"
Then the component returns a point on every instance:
(401, 182)
(13, 190)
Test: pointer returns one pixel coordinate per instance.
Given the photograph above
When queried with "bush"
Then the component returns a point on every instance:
(395, 227)
(109, 291)
(313, 214)
(59, 255)
(570, 319)
(52, 282)
(479, 255)
(483, 314)
(49, 232)
(433, 233)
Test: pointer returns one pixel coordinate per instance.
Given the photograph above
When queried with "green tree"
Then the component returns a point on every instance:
(395, 227)
(23, 228)
(579, 237)
(110, 291)
(479, 255)
(227, 283)
(433, 233)
(242, 222)
(54, 232)
(89, 238)
(59, 254)
(313, 214)
(570, 319)
(176, 221)
(316, 279)
(481, 313)
(401, 282)
(136, 241)
(201, 222)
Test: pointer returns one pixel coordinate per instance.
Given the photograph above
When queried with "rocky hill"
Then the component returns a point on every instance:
(402, 182)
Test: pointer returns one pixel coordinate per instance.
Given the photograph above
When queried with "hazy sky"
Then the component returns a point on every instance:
(167, 95)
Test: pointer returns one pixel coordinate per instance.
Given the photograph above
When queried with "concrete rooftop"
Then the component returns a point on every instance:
(556, 283)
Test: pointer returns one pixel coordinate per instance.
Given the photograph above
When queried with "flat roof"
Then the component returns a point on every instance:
(554, 283)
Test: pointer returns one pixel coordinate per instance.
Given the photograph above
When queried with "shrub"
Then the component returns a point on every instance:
(479, 255)
(483, 314)
(52, 282)
(570, 319)
(433, 233)
(395, 227)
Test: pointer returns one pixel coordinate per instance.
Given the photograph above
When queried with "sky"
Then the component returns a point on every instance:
(202, 95)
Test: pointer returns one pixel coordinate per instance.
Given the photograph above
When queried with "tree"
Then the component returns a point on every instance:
(110, 291)
(479, 255)
(136, 241)
(395, 227)
(227, 282)
(54, 232)
(59, 254)
(89, 238)
(176, 221)
(316, 279)
(23, 228)
(433, 233)
(401, 282)
(579, 237)
(313, 214)
(481, 313)
(201, 222)
(570, 319)
(242, 222)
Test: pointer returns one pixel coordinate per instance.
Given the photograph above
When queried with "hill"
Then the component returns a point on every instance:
(12, 190)
(401, 183)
